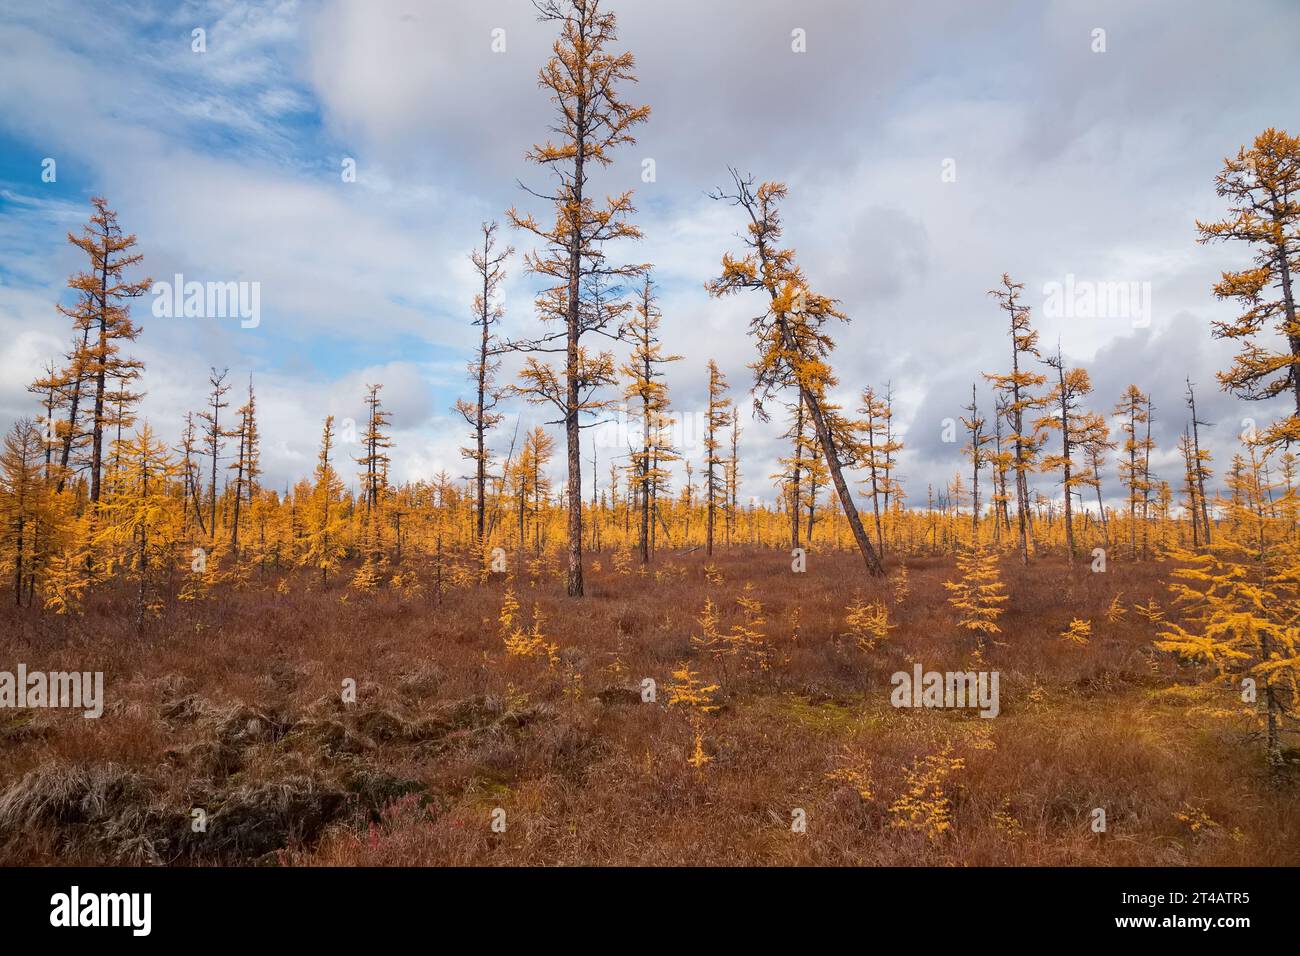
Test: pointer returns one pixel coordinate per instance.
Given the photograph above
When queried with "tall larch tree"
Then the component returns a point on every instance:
(481, 414)
(375, 442)
(1201, 459)
(647, 396)
(592, 119)
(1018, 400)
(717, 419)
(976, 450)
(323, 520)
(794, 346)
(103, 317)
(190, 472)
(1078, 428)
(246, 465)
(731, 472)
(1133, 467)
(878, 448)
(797, 470)
(375, 462)
(1262, 186)
(532, 486)
(214, 437)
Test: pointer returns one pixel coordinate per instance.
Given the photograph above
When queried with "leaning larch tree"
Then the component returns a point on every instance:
(592, 119)
(792, 341)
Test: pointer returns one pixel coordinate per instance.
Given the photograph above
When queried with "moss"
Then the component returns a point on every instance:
(831, 717)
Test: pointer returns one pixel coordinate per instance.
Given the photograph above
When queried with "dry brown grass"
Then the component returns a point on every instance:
(234, 707)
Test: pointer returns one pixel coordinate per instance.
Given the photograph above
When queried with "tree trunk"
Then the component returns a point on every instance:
(97, 447)
(874, 566)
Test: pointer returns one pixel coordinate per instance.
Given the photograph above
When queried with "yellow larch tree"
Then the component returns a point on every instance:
(647, 398)
(142, 520)
(592, 119)
(1262, 186)
(481, 414)
(29, 513)
(1018, 401)
(794, 346)
(979, 456)
(1078, 430)
(1133, 411)
(323, 522)
(717, 418)
(878, 446)
(1239, 601)
(102, 321)
(978, 593)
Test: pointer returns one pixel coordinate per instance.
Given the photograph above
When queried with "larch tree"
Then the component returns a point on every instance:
(1189, 484)
(892, 487)
(246, 465)
(1262, 186)
(481, 414)
(190, 473)
(1015, 389)
(717, 418)
(647, 396)
(70, 433)
(818, 477)
(214, 437)
(731, 473)
(144, 517)
(975, 449)
(532, 486)
(1150, 483)
(1201, 459)
(978, 594)
(592, 119)
(1133, 467)
(103, 317)
(799, 471)
(52, 387)
(794, 346)
(120, 405)
(374, 459)
(26, 507)
(323, 522)
(1078, 429)
(878, 448)
(1001, 460)
(375, 462)
(1238, 600)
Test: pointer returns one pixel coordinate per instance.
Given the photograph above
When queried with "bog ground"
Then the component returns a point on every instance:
(458, 752)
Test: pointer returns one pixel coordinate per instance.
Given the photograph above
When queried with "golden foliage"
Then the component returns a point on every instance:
(978, 594)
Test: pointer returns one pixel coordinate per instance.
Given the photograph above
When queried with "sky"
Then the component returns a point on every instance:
(928, 148)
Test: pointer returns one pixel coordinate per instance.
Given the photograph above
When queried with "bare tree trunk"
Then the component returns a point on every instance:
(97, 447)
(796, 477)
(1200, 476)
(841, 486)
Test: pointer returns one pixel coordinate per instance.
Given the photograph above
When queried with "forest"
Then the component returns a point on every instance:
(538, 657)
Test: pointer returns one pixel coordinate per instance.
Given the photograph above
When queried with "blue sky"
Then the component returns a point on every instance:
(226, 164)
